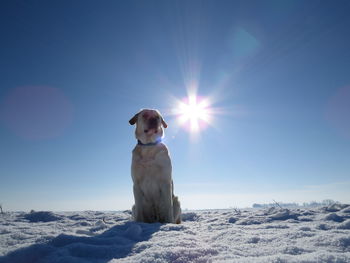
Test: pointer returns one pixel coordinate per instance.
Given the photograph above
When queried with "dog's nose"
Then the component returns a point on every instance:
(153, 122)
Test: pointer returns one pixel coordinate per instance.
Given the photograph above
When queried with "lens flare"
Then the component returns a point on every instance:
(36, 112)
(193, 113)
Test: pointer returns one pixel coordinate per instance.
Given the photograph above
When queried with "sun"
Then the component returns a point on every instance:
(193, 113)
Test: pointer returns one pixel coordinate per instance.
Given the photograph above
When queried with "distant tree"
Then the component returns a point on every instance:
(316, 204)
(2, 212)
(328, 202)
(275, 204)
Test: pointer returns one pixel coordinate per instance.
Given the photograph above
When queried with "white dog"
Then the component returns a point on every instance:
(151, 172)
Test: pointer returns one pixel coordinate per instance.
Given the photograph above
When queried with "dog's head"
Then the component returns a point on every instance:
(149, 125)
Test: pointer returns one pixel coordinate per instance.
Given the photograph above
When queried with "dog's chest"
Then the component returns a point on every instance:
(147, 153)
(151, 165)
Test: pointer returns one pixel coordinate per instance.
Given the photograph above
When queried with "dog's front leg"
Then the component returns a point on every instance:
(138, 210)
(166, 204)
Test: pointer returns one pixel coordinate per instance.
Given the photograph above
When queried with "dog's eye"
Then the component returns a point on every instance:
(157, 117)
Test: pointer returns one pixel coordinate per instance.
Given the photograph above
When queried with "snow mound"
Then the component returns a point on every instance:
(335, 207)
(249, 221)
(323, 227)
(345, 225)
(232, 220)
(282, 214)
(346, 210)
(334, 217)
(292, 250)
(189, 217)
(41, 216)
(99, 225)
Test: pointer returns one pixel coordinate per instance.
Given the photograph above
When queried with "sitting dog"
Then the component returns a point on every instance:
(151, 172)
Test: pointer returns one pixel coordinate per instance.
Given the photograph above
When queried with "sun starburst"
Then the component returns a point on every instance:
(193, 113)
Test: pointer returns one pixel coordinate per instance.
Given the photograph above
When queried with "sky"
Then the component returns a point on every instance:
(275, 75)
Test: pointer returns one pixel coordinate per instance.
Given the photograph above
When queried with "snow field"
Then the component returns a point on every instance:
(265, 235)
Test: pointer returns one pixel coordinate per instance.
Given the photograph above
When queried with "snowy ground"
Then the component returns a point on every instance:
(267, 235)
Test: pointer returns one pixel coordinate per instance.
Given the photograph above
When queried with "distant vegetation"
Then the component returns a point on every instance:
(326, 202)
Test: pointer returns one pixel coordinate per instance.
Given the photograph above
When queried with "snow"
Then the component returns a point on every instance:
(250, 235)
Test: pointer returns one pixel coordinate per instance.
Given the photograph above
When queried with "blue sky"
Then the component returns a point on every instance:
(74, 73)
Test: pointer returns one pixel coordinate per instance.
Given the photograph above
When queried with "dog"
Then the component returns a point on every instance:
(151, 172)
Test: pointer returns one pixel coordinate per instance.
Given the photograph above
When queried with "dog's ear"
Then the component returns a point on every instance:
(164, 123)
(133, 120)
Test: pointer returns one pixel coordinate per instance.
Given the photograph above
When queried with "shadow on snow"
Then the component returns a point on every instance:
(116, 242)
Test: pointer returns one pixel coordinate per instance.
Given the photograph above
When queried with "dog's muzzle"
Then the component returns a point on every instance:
(152, 125)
